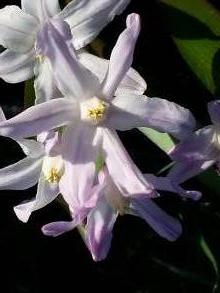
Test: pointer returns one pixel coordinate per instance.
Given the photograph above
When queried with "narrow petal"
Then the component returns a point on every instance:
(79, 153)
(44, 83)
(165, 225)
(183, 171)
(21, 175)
(124, 172)
(17, 29)
(214, 112)
(132, 83)
(122, 56)
(16, 67)
(55, 229)
(46, 193)
(100, 223)
(87, 18)
(41, 9)
(171, 184)
(199, 146)
(73, 80)
(39, 118)
(31, 148)
(131, 111)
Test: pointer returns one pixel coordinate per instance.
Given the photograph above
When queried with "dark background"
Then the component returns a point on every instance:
(139, 260)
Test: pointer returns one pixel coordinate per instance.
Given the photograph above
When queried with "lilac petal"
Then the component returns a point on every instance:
(79, 153)
(165, 225)
(131, 111)
(46, 193)
(44, 83)
(73, 80)
(214, 112)
(87, 18)
(183, 171)
(198, 146)
(132, 83)
(16, 67)
(55, 229)
(125, 174)
(31, 148)
(167, 184)
(41, 9)
(122, 55)
(17, 29)
(21, 175)
(2, 115)
(100, 223)
(39, 118)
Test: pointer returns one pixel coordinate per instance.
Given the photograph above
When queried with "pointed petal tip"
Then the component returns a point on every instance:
(22, 214)
(55, 229)
(133, 21)
(174, 232)
(47, 231)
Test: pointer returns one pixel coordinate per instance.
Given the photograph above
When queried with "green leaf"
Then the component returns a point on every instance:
(211, 180)
(195, 28)
(29, 93)
(182, 273)
(207, 251)
(162, 140)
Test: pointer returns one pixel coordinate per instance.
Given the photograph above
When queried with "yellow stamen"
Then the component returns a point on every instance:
(53, 176)
(53, 168)
(96, 113)
(93, 110)
(40, 58)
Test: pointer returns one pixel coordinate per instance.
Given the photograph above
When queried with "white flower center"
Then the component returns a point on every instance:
(53, 168)
(94, 110)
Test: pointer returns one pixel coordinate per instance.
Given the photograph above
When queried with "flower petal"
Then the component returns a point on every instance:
(214, 112)
(73, 80)
(31, 148)
(165, 225)
(16, 67)
(132, 82)
(124, 172)
(39, 118)
(187, 169)
(131, 111)
(171, 184)
(55, 229)
(79, 153)
(42, 10)
(100, 223)
(17, 29)
(87, 18)
(46, 193)
(44, 83)
(121, 56)
(198, 146)
(21, 175)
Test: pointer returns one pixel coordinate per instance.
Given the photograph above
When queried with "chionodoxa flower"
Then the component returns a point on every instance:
(199, 151)
(19, 29)
(91, 111)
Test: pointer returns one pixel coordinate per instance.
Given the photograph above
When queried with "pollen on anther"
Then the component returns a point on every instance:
(40, 58)
(53, 176)
(96, 113)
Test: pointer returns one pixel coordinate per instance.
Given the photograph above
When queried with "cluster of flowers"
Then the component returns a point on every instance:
(81, 101)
